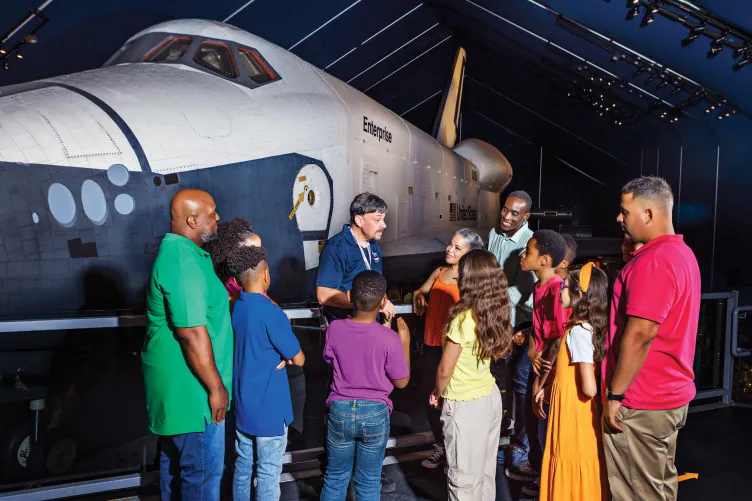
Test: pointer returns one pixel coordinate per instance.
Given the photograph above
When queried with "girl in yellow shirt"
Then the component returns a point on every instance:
(478, 330)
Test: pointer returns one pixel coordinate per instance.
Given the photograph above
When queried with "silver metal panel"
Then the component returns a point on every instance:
(57, 324)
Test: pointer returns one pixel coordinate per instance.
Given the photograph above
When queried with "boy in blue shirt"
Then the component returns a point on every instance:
(264, 344)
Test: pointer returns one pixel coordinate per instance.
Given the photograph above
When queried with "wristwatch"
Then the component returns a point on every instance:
(612, 396)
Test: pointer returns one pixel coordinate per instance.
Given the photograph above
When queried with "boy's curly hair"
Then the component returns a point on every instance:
(229, 237)
(244, 260)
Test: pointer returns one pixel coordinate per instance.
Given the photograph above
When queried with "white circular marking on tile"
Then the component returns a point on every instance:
(124, 204)
(62, 204)
(94, 202)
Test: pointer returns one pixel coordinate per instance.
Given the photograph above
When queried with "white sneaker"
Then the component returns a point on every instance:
(436, 459)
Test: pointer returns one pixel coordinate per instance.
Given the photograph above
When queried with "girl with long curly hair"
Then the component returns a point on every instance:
(573, 463)
(477, 331)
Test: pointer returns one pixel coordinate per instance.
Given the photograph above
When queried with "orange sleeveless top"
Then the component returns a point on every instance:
(440, 300)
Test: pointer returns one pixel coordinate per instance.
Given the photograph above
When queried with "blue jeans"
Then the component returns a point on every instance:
(357, 432)
(536, 429)
(191, 464)
(520, 369)
(268, 463)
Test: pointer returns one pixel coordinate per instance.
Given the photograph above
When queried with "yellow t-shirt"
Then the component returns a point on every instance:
(472, 378)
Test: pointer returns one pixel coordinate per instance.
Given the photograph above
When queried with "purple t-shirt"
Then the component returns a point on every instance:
(365, 359)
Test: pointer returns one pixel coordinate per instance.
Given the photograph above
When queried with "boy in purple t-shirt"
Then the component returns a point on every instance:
(368, 360)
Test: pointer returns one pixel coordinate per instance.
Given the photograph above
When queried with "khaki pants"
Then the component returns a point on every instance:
(640, 461)
(471, 439)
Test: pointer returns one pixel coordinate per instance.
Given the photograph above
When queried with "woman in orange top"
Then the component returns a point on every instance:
(443, 293)
(574, 468)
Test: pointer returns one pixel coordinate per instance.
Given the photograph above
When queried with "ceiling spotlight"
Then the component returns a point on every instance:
(31, 39)
(648, 18)
(639, 70)
(676, 91)
(716, 46)
(616, 57)
(744, 61)
(5, 65)
(710, 108)
(592, 78)
(2, 49)
(652, 77)
(18, 54)
(632, 3)
(694, 34)
(741, 50)
(633, 12)
(662, 85)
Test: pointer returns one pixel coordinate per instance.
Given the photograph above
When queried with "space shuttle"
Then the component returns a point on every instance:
(90, 161)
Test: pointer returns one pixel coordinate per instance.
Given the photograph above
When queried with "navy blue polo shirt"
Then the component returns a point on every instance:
(341, 261)
(263, 338)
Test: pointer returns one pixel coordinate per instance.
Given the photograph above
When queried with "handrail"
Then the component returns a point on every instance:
(105, 322)
(735, 350)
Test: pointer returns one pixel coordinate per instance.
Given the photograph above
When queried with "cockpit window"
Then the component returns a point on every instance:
(255, 66)
(216, 57)
(171, 49)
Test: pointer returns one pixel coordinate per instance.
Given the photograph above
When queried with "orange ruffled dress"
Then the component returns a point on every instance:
(574, 468)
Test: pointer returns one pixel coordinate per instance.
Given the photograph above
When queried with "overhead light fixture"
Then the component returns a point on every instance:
(662, 85)
(716, 46)
(18, 54)
(5, 65)
(632, 3)
(710, 108)
(641, 69)
(2, 49)
(676, 91)
(633, 12)
(694, 34)
(32, 39)
(741, 50)
(648, 18)
(616, 57)
(652, 77)
(744, 61)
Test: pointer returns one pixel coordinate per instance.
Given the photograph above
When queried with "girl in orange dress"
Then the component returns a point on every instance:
(442, 293)
(574, 468)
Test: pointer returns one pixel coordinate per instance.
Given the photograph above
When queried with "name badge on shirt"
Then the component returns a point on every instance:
(375, 257)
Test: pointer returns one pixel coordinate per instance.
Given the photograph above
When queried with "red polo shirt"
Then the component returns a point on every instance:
(549, 317)
(660, 283)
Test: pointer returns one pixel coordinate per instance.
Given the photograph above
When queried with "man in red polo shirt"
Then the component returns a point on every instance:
(647, 375)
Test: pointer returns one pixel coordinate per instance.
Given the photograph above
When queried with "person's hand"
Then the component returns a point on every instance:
(419, 304)
(218, 401)
(435, 399)
(538, 404)
(519, 338)
(283, 363)
(610, 416)
(388, 310)
(403, 331)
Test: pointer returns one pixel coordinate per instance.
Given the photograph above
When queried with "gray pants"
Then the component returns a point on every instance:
(471, 438)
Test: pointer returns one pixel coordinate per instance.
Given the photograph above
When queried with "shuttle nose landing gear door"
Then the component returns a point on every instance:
(312, 209)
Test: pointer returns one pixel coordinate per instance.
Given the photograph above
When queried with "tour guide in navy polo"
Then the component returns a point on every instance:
(187, 353)
(346, 254)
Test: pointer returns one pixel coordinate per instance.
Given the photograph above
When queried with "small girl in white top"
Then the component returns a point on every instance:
(573, 466)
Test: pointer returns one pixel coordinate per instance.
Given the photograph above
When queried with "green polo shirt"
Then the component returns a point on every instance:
(183, 292)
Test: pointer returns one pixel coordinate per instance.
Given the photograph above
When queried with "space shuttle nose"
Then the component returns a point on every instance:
(62, 125)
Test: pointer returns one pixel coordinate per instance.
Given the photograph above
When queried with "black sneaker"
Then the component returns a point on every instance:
(387, 484)
(522, 472)
(436, 459)
(532, 490)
